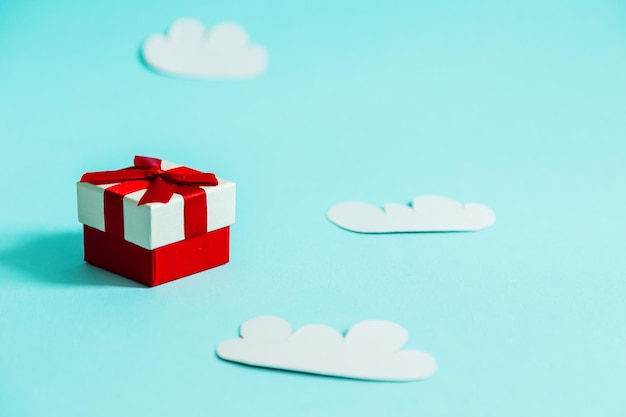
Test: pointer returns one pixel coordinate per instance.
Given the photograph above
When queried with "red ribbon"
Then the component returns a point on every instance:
(161, 185)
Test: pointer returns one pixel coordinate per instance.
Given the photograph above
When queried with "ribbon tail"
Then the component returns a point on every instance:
(109, 177)
(160, 191)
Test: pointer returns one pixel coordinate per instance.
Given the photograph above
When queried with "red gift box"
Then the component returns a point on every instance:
(156, 221)
(160, 265)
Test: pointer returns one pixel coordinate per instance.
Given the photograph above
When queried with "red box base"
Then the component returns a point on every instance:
(160, 265)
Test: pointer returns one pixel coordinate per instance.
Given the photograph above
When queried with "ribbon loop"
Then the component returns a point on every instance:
(146, 162)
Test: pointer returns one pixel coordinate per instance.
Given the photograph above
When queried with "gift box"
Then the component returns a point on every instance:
(156, 221)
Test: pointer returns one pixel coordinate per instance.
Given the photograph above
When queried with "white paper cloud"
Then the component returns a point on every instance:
(370, 350)
(428, 213)
(187, 50)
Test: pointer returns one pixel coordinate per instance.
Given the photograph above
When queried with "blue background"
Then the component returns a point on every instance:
(519, 105)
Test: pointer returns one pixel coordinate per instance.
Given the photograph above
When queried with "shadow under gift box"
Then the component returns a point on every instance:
(152, 245)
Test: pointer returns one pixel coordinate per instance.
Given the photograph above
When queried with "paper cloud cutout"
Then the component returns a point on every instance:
(427, 213)
(370, 350)
(187, 50)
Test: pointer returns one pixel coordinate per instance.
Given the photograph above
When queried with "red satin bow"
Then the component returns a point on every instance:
(163, 183)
